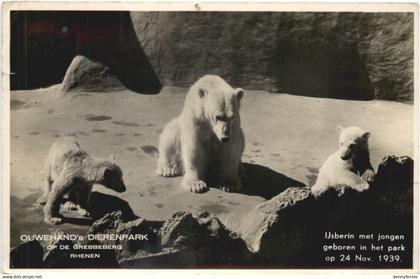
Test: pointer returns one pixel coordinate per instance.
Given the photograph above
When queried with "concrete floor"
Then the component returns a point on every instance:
(287, 140)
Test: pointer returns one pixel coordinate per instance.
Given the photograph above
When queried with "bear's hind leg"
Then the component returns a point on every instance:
(169, 162)
(229, 174)
(230, 163)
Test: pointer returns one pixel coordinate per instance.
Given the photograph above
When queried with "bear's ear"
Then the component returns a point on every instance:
(201, 92)
(239, 93)
(340, 128)
(366, 135)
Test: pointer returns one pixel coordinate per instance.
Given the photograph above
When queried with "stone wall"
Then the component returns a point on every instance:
(337, 55)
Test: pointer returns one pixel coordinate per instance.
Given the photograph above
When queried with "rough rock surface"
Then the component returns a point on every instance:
(108, 222)
(339, 55)
(264, 217)
(55, 256)
(297, 53)
(193, 240)
(288, 229)
(85, 74)
(27, 255)
(113, 223)
(394, 186)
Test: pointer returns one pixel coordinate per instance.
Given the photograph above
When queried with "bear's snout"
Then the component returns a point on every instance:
(346, 155)
(122, 188)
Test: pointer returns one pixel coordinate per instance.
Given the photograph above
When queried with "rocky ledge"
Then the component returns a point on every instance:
(287, 231)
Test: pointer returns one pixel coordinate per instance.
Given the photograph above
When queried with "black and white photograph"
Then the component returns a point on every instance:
(210, 137)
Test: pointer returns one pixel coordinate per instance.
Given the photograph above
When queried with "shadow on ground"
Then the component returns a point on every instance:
(262, 181)
(102, 204)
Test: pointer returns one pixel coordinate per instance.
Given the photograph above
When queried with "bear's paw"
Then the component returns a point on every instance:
(69, 205)
(317, 191)
(53, 220)
(231, 186)
(195, 186)
(168, 172)
(42, 200)
(369, 176)
(83, 212)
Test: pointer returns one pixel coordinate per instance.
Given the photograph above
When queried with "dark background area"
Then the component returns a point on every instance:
(361, 56)
(44, 44)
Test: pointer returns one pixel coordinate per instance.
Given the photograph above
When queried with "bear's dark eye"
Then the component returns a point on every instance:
(219, 118)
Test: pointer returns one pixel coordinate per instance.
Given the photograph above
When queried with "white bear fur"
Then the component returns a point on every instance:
(206, 140)
(349, 165)
(71, 171)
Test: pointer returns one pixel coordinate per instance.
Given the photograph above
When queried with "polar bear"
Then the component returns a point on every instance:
(206, 141)
(349, 166)
(72, 171)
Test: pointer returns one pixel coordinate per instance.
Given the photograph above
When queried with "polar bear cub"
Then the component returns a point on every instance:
(349, 166)
(206, 140)
(72, 171)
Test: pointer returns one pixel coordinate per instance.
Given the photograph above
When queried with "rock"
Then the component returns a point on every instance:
(114, 223)
(277, 51)
(204, 236)
(116, 45)
(77, 254)
(85, 74)
(288, 230)
(276, 228)
(140, 227)
(54, 255)
(179, 227)
(291, 52)
(394, 187)
(193, 240)
(27, 255)
(109, 221)
(168, 257)
(98, 257)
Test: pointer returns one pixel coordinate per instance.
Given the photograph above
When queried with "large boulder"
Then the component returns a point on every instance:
(114, 224)
(85, 74)
(193, 240)
(65, 253)
(289, 230)
(54, 255)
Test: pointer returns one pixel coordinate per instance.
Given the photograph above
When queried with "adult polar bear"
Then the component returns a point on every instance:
(206, 140)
